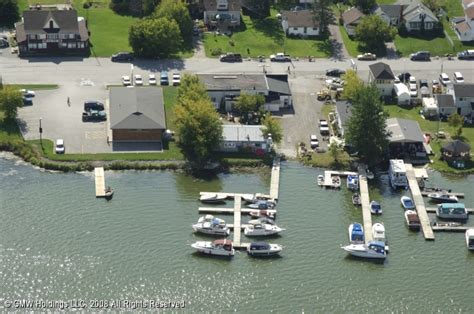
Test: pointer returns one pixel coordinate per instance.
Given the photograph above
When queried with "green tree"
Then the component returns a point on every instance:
(257, 8)
(197, 122)
(149, 6)
(272, 126)
(9, 12)
(373, 32)
(365, 6)
(323, 14)
(335, 153)
(177, 10)
(10, 100)
(434, 5)
(455, 120)
(247, 103)
(366, 128)
(352, 84)
(151, 38)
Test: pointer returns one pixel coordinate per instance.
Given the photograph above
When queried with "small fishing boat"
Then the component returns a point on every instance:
(320, 180)
(212, 198)
(407, 202)
(257, 197)
(452, 211)
(215, 226)
(470, 239)
(259, 230)
(356, 199)
(372, 250)
(336, 182)
(262, 220)
(370, 175)
(353, 182)
(109, 193)
(378, 232)
(356, 233)
(443, 198)
(262, 213)
(375, 208)
(261, 204)
(412, 220)
(218, 247)
(264, 249)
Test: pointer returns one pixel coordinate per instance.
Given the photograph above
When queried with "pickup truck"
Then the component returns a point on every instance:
(94, 115)
(281, 57)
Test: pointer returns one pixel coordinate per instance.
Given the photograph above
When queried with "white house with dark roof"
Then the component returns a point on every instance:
(350, 19)
(464, 26)
(221, 13)
(52, 31)
(414, 14)
(224, 89)
(463, 98)
(445, 104)
(243, 138)
(382, 76)
(299, 23)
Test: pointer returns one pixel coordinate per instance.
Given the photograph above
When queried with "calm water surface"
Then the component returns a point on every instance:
(57, 242)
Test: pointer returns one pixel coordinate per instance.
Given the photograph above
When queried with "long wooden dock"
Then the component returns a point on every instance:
(450, 228)
(365, 200)
(237, 219)
(99, 182)
(229, 196)
(419, 203)
(460, 195)
(275, 179)
(223, 210)
(433, 210)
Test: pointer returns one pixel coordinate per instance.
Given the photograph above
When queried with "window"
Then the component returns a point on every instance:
(315, 28)
(63, 45)
(295, 28)
(305, 30)
(461, 99)
(41, 36)
(53, 36)
(42, 46)
(32, 46)
(71, 45)
(71, 36)
(51, 24)
(80, 45)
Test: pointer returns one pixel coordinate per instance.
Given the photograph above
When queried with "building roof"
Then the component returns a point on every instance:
(300, 18)
(235, 82)
(381, 71)
(463, 27)
(416, 8)
(242, 133)
(456, 147)
(20, 32)
(344, 111)
(463, 90)
(37, 20)
(404, 131)
(211, 5)
(391, 10)
(467, 2)
(352, 15)
(137, 108)
(278, 83)
(469, 12)
(445, 100)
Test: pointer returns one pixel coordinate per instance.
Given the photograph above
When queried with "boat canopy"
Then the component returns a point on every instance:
(377, 246)
(259, 246)
(453, 208)
(375, 205)
(222, 242)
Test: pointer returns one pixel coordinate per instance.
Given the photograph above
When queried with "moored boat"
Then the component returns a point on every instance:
(109, 193)
(397, 174)
(263, 249)
(443, 198)
(261, 204)
(353, 182)
(212, 198)
(412, 220)
(470, 239)
(320, 180)
(452, 211)
(264, 220)
(375, 208)
(217, 247)
(378, 232)
(356, 233)
(407, 202)
(336, 181)
(372, 250)
(356, 199)
(262, 213)
(258, 230)
(257, 197)
(214, 226)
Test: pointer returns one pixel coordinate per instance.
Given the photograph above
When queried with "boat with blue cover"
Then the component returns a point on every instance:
(375, 208)
(353, 182)
(356, 233)
(452, 211)
(407, 203)
(263, 249)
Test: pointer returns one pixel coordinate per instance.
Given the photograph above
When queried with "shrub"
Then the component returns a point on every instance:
(216, 51)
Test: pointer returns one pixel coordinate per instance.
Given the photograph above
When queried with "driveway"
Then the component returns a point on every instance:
(339, 49)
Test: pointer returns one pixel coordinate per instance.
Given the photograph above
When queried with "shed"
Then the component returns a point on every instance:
(403, 94)
(430, 109)
(243, 138)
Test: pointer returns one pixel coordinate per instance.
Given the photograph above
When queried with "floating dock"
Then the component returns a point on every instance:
(460, 195)
(223, 210)
(450, 228)
(229, 196)
(99, 182)
(365, 200)
(419, 203)
(275, 179)
(237, 223)
(328, 174)
(433, 210)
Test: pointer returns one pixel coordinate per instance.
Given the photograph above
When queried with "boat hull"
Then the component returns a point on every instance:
(363, 253)
(217, 232)
(212, 251)
(407, 203)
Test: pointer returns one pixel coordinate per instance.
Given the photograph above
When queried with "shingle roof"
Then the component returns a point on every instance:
(381, 71)
(352, 15)
(278, 83)
(391, 10)
(463, 90)
(469, 12)
(463, 27)
(457, 147)
(415, 8)
(20, 32)
(137, 108)
(467, 2)
(211, 5)
(445, 100)
(233, 81)
(403, 130)
(301, 18)
(36, 20)
(242, 133)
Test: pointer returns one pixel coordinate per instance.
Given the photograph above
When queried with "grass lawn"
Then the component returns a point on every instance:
(386, 1)
(265, 37)
(438, 46)
(458, 45)
(352, 46)
(9, 130)
(169, 97)
(454, 8)
(35, 86)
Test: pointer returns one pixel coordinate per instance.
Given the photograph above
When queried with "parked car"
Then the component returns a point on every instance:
(423, 83)
(323, 127)
(27, 93)
(122, 56)
(126, 80)
(420, 56)
(27, 101)
(138, 80)
(93, 105)
(412, 80)
(466, 55)
(4, 43)
(367, 57)
(164, 80)
(313, 141)
(59, 146)
(335, 72)
(176, 80)
(413, 90)
(404, 76)
(94, 115)
(444, 79)
(4, 37)
(152, 79)
(280, 57)
(458, 78)
(231, 57)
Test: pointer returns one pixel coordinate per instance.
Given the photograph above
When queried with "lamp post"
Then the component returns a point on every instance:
(41, 132)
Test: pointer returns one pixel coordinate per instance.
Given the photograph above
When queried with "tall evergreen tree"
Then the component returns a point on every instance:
(323, 14)
(9, 12)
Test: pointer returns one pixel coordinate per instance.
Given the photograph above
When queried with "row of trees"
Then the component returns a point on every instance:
(164, 33)
(373, 33)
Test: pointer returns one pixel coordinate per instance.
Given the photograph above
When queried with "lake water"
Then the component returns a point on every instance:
(58, 242)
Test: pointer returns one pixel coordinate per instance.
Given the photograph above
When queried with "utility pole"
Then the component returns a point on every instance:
(41, 133)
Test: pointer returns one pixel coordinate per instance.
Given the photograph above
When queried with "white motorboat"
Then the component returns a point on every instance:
(320, 180)
(397, 174)
(258, 230)
(217, 247)
(356, 233)
(336, 181)
(262, 213)
(264, 220)
(261, 204)
(470, 239)
(412, 220)
(212, 198)
(214, 226)
(452, 211)
(264, 249)
(378, 232)
(407, 203)
(374, 250)
(375, 208)
(443, 198)
(353, 182)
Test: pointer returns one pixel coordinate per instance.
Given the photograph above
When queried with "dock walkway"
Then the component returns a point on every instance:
(459, 195)
(328, 174)
(224, 210)
(365, 200)
(419, 203)
(99, 182)
(275, 179)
